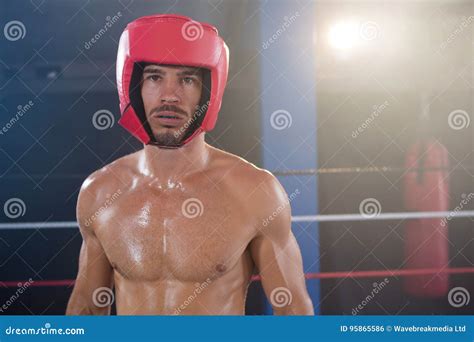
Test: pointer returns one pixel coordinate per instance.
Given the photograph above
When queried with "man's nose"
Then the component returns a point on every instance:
(170, 91)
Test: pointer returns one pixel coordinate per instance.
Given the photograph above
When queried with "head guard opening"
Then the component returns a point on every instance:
(170, 40)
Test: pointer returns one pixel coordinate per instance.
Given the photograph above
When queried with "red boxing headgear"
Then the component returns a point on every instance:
(173, 40)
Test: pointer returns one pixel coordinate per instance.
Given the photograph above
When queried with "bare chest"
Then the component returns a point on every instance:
(151, 235)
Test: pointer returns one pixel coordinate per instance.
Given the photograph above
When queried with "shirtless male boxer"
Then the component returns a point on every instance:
(179, 226)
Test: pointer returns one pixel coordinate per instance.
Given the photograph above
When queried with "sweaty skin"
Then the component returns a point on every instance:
(180, 231)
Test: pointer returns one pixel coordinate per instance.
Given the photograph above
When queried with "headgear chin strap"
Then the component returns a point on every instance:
(170, 40)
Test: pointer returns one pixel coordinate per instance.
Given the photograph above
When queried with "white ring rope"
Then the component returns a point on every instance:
(383, 216)
(301, 218)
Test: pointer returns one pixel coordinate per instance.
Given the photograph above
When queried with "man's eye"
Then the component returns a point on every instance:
(154, 78)
(188, 80)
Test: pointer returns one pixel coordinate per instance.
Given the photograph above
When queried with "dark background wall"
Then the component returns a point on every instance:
(46, 155)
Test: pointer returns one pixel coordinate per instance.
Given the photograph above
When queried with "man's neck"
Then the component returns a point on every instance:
(168, 166)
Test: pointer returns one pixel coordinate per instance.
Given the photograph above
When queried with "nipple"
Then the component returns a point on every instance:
(221, 268)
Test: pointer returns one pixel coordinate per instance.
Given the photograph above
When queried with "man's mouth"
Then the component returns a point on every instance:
(168, 116)
(168, 119)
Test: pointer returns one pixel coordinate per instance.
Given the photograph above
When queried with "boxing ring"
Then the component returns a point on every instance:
(291, 146)
(375, 274)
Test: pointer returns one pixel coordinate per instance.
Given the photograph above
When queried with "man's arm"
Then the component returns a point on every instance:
(95, 277)
(276, 252)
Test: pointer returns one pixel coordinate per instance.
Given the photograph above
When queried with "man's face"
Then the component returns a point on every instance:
(171, 95)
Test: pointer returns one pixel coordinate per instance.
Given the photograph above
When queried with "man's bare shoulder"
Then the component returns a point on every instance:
(246, 175)
(236, 166)
(257, 189)
(105, 182)
(112, 175)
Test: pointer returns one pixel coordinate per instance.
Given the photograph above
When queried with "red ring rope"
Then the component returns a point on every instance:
(37, 283)
(320, 275)
(384, 273)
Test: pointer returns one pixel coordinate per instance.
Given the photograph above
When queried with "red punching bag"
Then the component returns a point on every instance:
(426, 240)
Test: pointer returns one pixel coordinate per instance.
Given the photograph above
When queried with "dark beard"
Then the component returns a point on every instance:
(168, 139)
(175, 139)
